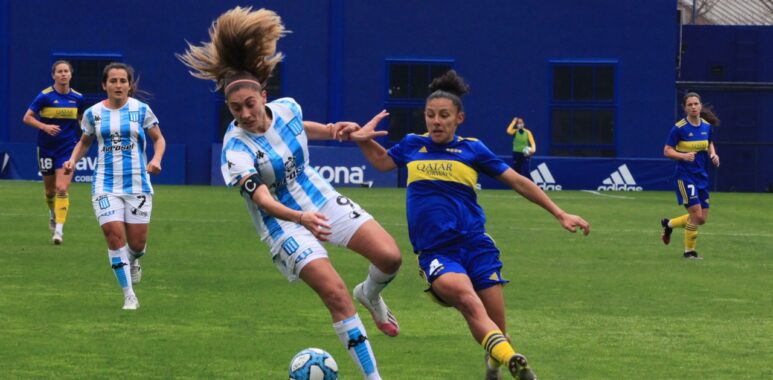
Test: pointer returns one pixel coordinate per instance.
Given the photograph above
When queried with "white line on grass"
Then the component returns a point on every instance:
(594, 192)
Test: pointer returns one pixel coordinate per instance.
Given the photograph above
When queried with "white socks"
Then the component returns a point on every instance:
(352, 334)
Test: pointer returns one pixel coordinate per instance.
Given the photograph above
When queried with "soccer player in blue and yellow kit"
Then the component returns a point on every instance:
(55, 112)
(445, 223)
(691, 145)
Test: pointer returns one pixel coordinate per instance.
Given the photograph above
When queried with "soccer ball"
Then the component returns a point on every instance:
(313, 364)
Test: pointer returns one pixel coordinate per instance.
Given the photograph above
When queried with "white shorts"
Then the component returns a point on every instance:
(127, 208)
(298, 247)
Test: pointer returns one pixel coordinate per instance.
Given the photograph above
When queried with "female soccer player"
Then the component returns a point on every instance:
(445, 223)
(55, 112)
(691, 145)
(122, 195)
(293, 208)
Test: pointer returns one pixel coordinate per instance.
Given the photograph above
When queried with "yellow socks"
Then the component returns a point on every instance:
(61, 204)
(679, 221)
(690, 237)
(496, 344)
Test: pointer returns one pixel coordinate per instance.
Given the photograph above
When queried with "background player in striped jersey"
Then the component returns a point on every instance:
(690, 144)
(56, 112)
(122, 195)
(445, 223)
(293, 208)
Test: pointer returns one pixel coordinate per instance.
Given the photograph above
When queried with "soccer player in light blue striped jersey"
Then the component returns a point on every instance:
(122, 196)
(293, 208)
(446, 225)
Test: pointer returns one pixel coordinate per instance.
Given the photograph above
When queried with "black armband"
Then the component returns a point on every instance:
(250, 186)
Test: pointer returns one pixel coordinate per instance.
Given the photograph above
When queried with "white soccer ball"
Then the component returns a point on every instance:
(526, 151)
(313, 364)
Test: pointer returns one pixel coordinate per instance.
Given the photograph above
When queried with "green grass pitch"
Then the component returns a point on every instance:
(617, 304)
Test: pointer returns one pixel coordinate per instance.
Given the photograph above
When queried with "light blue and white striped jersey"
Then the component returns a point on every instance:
(281, 158)
(120, 133)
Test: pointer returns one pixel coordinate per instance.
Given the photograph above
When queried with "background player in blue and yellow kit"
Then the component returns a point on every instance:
(56, 113)
(690, 144)
(445, 223)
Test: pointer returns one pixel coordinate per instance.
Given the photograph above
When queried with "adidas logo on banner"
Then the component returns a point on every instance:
(543, 178)
(620, 180)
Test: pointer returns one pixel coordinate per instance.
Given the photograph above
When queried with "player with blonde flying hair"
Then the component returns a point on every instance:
(265, 152)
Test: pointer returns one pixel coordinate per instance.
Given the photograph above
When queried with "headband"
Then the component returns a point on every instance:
(241, 81)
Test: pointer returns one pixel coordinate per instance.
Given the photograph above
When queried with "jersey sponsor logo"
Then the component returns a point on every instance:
(303, 255)
(620, 180)
(115, 137)
(543, 178)
(453, 150)
(343, 174)
(59, 112)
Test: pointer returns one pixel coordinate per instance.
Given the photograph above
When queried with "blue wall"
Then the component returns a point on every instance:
(744, 142)
(502, 48)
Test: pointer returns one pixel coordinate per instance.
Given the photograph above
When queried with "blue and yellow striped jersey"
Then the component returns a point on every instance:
(686, 138)
(441, 203)
(52, 107)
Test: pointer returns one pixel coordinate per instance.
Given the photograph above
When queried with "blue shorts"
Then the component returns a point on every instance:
(689, 194)
(51, 159)
(477, 257)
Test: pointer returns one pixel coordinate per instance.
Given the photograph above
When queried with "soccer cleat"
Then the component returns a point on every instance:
(136, 271)
(131, 303)
(520, 369)
(692, 255)
(57, 238)
(385, 320)
(666, 235)
(492, 373)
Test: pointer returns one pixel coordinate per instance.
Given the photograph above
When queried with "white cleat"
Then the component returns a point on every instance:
(136, 271)
(57, 238)
(131, 303)
(385, 320)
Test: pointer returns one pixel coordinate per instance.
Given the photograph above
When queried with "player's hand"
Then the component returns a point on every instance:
(715, 160)
(368, 131)
(51, 129)
(315, 222)
(572, 222)
(154, 167)
(342, 129)
(689, 157)
(68, 166)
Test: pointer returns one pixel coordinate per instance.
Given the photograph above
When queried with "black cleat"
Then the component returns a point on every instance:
(520, 369)
(692, 255)
(666, 235)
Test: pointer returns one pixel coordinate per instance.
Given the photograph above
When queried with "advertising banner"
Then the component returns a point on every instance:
(20, 161)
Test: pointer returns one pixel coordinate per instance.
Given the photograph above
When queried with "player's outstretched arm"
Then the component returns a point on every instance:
(530, 191)
(372, 150)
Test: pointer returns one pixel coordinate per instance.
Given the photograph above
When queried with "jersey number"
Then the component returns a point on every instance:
(46, 163)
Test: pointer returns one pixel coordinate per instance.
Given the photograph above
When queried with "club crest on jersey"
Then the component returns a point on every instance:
(134, 116)
(295, 125)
